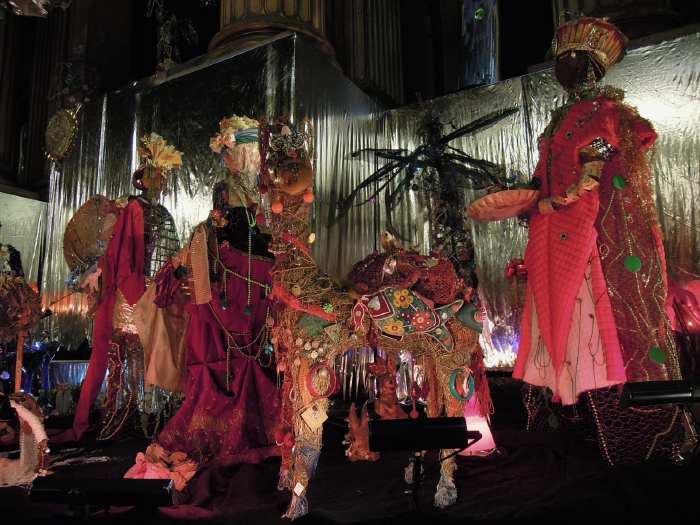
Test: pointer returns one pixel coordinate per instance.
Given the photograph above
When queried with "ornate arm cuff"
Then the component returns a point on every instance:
(600, 149)
(587, 182)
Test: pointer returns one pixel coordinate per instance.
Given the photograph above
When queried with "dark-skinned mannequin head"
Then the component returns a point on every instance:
(585, 49)
(150, 181)
(576, 69)
(158, 158)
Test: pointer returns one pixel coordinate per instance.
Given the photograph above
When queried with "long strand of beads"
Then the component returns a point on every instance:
(224, 291)
(251, 224)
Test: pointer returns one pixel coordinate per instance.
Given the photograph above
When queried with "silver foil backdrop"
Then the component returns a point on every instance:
(289, 75)
(23, 226)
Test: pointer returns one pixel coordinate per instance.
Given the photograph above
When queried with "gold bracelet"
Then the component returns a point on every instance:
(546, 206)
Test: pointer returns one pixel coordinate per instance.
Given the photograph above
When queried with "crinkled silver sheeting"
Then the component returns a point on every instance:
(662, 81)
(23, 225)
(67, 373)
(290, 75)
(287, 76)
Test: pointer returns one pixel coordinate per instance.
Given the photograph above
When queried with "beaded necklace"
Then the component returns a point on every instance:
(251, 222)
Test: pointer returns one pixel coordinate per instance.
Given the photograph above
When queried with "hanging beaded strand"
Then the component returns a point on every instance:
(251, 224)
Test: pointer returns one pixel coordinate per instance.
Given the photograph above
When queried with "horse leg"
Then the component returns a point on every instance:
(309, 415)
(446, 493)
(286, 437)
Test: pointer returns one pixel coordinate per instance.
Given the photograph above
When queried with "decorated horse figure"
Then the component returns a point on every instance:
(412, 305)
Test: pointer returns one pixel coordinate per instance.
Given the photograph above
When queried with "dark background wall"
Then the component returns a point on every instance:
(398, 51)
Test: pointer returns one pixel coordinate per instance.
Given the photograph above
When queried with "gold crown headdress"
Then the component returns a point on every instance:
(603, 40)
(285, 141)
(155, 152)
(233, 130)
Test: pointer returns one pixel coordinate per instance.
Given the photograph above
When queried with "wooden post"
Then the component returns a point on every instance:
(19, 359)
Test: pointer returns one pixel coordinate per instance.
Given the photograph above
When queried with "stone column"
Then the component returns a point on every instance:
(367, 38)
(247, 22)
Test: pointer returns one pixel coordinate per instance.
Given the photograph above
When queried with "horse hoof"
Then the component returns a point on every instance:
(446, 494)
(298, 507)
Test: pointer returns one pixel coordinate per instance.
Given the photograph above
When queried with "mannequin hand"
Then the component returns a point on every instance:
(546, 206)
(92, 281)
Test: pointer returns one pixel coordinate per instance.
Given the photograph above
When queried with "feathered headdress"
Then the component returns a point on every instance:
(155, 152)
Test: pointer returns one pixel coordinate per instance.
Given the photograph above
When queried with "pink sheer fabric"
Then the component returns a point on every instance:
(219, 423)
(585, 363)
(156, 463)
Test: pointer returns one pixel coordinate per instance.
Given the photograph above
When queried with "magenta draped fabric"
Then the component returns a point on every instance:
(218, 423)
(122, 269)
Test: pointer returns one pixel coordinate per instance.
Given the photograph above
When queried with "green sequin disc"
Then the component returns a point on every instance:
(633, 263)
(657, 355)
(480, 14)
(619, 182)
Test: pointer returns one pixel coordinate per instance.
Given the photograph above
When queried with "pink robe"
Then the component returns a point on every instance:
(570, 339)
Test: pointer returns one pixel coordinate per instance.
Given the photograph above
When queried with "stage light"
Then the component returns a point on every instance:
(659, 393)
(483, 446)
(417, 435)
(80, 495)
(427, 433)
(475, 421)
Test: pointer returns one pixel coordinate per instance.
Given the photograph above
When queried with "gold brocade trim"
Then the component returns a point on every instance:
(256, 257)
(199, 262)
(216, 425)
(123, 316)
(593, 35)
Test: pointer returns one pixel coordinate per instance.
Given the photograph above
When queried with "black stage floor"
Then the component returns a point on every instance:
(548, 477)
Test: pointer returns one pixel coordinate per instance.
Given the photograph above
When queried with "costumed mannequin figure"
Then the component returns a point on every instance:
(142, 239)
(594, 313)
(20, 307)
(231, 401)
(20, 310)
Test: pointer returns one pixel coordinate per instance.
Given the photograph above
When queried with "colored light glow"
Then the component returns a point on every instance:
(500, 345)
(475, 421)
(486, 444)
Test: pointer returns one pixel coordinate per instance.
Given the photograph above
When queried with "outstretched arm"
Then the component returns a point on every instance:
(593, 158)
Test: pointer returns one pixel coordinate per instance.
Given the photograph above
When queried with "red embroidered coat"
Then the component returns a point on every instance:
(610, 227)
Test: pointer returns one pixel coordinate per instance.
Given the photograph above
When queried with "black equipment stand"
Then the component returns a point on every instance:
(417, 435)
